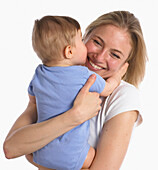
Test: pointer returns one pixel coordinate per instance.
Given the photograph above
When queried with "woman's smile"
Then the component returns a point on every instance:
(95, 66)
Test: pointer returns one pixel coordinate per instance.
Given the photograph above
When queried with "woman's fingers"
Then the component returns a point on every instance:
(87, 104)
(89, 83)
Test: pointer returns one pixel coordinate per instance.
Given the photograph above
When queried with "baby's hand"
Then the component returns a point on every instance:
(114, 81)
(120, 73)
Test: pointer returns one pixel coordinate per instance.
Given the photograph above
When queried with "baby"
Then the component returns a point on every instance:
(57, 41)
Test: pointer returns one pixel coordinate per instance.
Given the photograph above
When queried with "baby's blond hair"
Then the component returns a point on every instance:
(51, 34)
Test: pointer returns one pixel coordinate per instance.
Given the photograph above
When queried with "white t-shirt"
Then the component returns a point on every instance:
(124, 98)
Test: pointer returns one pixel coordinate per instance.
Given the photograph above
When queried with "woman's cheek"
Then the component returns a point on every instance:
(90, 47)
(113, 65)
(87, 45)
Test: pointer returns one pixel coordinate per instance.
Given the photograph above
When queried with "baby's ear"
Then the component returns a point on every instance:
(68, 52)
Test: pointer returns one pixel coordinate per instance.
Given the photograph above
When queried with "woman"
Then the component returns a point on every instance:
(111, 40)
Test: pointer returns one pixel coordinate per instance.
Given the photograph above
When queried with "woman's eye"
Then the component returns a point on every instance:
(97, 42)
(115, 55)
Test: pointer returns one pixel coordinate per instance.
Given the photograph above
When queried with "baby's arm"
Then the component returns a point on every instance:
(32, 99)
(114, 81)
(89, 159)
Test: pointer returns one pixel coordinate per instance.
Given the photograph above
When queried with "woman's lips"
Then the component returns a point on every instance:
(93, 66)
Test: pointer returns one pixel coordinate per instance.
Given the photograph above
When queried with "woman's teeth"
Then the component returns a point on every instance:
(95, 66)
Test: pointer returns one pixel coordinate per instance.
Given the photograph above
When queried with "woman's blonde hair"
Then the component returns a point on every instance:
(138, 56)
(51, 34)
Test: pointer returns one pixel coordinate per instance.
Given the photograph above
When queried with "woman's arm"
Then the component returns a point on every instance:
(14, 137)
(114, 141)
(26, 137)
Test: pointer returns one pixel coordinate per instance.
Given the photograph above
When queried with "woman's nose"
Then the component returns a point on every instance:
(102, 56)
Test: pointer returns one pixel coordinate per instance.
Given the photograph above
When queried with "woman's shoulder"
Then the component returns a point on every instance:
(123, 99)
(126, 87)
(125, 93)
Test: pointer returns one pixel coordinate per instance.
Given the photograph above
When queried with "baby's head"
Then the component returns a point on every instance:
(51, 34)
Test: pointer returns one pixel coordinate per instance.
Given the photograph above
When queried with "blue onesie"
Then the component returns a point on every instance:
(55, 89)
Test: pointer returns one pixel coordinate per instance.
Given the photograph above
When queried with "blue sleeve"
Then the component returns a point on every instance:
(98, 85)
(30, 88)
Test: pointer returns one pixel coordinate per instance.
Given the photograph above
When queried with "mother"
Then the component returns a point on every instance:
(111, 40)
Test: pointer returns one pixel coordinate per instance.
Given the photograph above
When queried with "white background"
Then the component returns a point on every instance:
(18, 62)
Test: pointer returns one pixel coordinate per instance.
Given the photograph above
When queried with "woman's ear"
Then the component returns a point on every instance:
(68, 52)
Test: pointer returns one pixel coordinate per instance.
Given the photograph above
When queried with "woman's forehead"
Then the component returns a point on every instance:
(109, 30)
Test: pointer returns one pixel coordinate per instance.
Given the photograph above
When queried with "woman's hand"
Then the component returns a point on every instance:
(86, 104)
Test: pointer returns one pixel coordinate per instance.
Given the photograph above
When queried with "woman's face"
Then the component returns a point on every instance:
(108, 47)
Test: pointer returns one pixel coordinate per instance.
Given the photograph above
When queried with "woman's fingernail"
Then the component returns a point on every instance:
(93, 76)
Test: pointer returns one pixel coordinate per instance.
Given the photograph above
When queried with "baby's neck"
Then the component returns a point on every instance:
(58, 64)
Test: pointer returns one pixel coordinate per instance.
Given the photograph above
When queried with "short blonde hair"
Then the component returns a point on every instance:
(51, 34)
(138, 56)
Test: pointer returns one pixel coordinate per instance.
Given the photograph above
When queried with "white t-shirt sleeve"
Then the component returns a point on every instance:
(124, 98)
